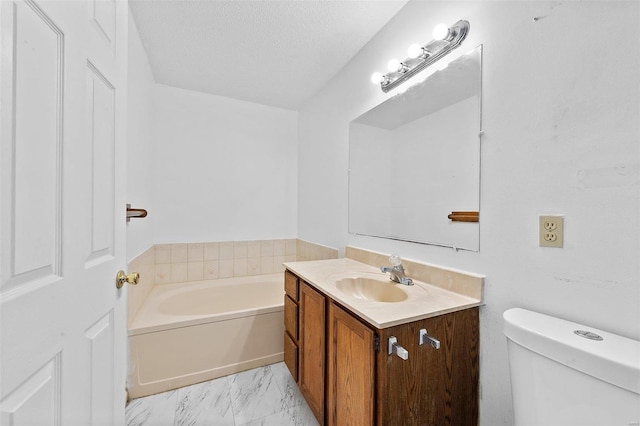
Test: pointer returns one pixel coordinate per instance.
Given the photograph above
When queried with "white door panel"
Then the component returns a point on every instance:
(32, 146)
(62, 220)
(36, 400)
(101, 122)
(102, 14)
(100, 340)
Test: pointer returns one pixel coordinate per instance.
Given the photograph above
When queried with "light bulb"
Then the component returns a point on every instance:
(394, 65)
(440, 32)
(377, 78)
(414, 51)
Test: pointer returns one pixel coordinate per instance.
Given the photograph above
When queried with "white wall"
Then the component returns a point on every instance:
(224, 169)
(560, 112)
(139, 144)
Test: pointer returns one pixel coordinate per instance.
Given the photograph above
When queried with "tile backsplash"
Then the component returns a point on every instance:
(224, 259)
(310, 251)
(145, 265)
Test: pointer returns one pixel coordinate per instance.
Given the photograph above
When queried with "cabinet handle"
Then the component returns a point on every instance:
(424, 338)
(395, 348)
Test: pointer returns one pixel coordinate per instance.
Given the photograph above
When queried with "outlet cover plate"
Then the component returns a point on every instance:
(551, 231)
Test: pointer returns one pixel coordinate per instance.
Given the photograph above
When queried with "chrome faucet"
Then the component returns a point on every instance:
(396, 271)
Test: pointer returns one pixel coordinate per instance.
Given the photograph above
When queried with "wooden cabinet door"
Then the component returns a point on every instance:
(350, 375)
(312, 348)
(434, 387)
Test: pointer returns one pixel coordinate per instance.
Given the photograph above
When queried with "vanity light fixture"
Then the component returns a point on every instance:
(445, 39)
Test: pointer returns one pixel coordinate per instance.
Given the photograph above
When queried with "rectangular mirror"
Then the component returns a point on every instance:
(415, 159)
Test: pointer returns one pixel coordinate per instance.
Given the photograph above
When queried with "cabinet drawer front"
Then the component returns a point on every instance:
(291, 318)
(291, 356)
(291, 285)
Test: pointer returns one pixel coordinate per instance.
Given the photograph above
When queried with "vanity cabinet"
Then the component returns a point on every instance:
(347, 376)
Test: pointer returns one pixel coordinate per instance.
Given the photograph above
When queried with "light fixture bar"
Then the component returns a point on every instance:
(436, 49)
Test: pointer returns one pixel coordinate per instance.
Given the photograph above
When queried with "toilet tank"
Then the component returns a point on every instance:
(564, 373)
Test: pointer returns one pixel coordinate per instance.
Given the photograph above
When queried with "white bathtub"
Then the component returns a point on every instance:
(186, 333)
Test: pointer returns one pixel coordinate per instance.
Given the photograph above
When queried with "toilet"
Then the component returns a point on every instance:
(564, 373)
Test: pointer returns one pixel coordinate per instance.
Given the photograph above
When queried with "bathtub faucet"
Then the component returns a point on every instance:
(396, 272)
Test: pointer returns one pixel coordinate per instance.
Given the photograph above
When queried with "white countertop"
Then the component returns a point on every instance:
(423, 300)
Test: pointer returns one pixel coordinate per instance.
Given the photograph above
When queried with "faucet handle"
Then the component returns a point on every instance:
(395, 260)
(406, 281)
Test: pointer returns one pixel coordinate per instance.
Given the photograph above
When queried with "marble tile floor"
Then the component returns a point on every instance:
(265, 396)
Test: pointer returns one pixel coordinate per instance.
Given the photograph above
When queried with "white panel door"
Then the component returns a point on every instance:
(62, 212)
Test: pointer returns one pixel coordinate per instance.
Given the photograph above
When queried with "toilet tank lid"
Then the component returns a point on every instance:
(614, 359)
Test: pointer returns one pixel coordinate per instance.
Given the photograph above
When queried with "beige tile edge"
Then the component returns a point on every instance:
(185, 262)
(306, 250)
(461, 282)
(144, 264)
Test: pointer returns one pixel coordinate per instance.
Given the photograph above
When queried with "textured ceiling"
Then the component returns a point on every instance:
(277, 53)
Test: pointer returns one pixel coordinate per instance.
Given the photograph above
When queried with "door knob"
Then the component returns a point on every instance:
(121, 278)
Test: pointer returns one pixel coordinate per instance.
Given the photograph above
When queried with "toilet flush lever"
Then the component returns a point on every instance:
(424, 338)
(395, 348)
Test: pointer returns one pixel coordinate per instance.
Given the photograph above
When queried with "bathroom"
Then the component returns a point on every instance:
(560, 114)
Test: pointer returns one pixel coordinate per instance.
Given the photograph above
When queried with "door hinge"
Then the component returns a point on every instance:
(376, 343)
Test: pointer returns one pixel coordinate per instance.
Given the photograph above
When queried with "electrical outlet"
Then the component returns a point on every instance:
(551, 231)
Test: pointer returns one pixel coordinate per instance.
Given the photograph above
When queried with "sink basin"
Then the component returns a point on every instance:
(372, 289)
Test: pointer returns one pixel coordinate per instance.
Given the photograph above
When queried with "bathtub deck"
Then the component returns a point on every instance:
(262, 396)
